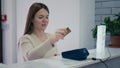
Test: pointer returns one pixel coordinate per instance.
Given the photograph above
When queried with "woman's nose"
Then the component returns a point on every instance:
(45, 20)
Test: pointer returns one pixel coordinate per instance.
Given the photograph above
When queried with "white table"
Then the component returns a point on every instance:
(115, 57)
(59, 62)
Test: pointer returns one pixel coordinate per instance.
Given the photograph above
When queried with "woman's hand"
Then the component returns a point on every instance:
(59, 34)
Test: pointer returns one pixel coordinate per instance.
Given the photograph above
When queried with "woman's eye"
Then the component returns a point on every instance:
(40, 17)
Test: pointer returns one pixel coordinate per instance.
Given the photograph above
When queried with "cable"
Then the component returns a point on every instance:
(101, 61)
(105, 59)
(109, 53)
(104, 63)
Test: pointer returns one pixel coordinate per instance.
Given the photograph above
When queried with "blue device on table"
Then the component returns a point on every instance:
(76, 54)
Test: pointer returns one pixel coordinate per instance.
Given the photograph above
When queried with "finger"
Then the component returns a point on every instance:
(61, 31)
(63, 34)
(59, 36)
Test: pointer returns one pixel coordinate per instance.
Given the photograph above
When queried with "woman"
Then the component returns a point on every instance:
(35, 43)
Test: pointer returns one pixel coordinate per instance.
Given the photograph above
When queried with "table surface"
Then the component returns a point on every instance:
(59, 62)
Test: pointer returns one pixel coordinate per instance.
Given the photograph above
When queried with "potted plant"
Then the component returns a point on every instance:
(112, 27)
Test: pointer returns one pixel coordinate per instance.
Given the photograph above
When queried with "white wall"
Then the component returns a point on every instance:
(87, 17)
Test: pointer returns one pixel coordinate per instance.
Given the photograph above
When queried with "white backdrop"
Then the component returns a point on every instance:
(63, 13)
(78, 15)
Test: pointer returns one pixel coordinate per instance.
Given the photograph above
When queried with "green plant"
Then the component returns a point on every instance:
(112, 26)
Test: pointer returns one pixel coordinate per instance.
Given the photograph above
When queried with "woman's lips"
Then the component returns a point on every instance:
(43, 25)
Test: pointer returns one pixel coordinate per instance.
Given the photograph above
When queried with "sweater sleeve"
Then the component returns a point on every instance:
(32, 52)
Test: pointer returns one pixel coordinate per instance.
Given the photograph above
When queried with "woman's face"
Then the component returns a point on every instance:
(40, 20)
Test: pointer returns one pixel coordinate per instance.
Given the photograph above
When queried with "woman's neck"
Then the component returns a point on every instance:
(41, 35)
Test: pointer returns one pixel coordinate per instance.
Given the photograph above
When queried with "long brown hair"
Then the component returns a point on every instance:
(35, 7)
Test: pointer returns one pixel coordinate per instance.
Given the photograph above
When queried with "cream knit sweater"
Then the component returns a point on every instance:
(32, 48)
